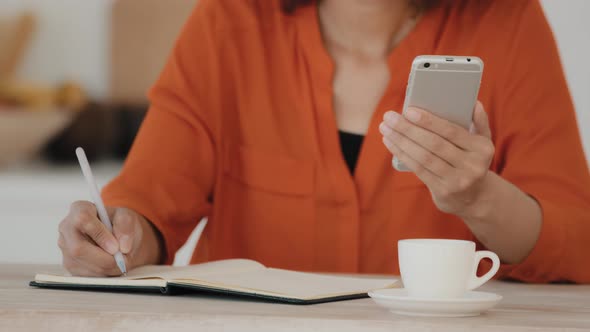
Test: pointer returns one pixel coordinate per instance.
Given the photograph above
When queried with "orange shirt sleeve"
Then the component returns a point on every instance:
(168, 176)
(539, 150)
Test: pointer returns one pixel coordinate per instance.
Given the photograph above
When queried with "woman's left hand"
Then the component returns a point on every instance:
(453, 162)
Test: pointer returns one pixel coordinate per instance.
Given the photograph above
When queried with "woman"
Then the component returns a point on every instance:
(257, 122)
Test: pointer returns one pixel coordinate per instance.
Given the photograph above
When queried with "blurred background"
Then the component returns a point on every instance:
(75, 73)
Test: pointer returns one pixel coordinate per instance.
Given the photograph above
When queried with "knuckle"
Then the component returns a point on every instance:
(76, 250)
(63, 226)
(87, 226)
(80, 219)
(81, 205)
(489, 150)
(76, 204)
(89, 214)
(123, 219)
(77, 220)
(61, 243)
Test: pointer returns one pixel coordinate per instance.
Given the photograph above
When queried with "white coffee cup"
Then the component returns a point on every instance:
(433, 268)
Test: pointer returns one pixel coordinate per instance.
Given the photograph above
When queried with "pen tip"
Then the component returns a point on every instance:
(121, 262)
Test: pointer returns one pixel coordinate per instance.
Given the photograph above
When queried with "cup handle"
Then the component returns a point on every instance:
(478, 281)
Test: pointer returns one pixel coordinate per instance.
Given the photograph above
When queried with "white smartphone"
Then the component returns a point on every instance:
(446, 86)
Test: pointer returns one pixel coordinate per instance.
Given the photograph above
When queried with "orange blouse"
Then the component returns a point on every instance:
(241, 130)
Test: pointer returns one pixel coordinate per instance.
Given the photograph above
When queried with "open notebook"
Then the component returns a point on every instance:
(239, 277)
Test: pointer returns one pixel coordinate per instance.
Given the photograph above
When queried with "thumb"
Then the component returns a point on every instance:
(125, 229)
(481, 123)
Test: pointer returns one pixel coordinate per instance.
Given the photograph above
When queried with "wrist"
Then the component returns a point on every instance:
(152, 244)
(484, 201)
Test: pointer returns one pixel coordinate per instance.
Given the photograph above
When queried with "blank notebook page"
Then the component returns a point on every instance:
(195, 272)
(297, 284)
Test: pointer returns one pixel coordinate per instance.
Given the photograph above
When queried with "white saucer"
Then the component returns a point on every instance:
(399, 302)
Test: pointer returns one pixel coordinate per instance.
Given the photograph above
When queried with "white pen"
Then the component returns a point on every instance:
(102, 211)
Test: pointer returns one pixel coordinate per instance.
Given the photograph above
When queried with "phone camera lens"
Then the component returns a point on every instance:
(427, 65)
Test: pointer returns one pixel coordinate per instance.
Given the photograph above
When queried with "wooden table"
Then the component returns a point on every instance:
(22, 308)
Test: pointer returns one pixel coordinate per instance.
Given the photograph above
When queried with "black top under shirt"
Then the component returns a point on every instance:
(351, 146)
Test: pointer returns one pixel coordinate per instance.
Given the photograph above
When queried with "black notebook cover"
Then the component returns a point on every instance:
(172, 289)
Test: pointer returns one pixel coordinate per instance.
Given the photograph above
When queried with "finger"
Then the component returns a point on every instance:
(427, 159)
(76, 269)
(452, 132)
(85, 221)
(125, 229)
(71, 264)
(104, 270)
(82, 206)
(427, 177)
(88, 256)
(82, 268)
(481, 123)
(427, 139)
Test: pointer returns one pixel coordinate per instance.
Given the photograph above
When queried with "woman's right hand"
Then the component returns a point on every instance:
(88, 247)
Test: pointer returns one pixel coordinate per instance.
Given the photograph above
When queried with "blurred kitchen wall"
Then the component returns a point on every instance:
(571, 26)
(71, 42)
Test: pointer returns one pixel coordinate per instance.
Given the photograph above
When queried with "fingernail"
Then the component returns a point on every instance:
(412, 115)
(112, 247)
(125, 244)
(391, 118)
(384, 129)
